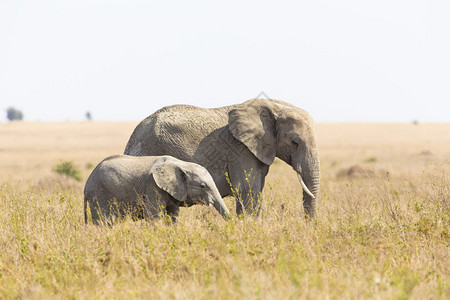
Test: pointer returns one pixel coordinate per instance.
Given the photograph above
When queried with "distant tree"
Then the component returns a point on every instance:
(14, 114)
(88, 116)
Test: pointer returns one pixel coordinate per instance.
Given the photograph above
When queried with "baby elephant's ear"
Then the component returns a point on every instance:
(171, 178)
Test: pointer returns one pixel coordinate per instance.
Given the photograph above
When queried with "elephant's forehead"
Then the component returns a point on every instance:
(198, 170)
(296, 123)
(296, 115)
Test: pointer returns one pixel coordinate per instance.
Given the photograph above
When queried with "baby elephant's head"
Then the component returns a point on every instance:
(188, 182)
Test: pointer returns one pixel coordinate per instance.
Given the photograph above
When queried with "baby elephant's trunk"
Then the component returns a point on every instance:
(218, 203)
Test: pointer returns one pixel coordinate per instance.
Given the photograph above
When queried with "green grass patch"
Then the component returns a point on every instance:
(69, 169)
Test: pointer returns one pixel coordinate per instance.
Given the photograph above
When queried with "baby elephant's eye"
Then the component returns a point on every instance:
(203, 185)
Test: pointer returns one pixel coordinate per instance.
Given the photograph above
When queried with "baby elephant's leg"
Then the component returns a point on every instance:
(173, 211)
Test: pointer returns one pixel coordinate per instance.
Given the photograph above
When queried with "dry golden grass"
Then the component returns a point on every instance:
(382, 231)
(29, 150)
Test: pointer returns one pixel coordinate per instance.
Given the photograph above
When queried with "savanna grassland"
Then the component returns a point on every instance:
(382, 231)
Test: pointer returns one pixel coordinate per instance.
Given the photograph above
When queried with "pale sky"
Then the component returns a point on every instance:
(346, 60)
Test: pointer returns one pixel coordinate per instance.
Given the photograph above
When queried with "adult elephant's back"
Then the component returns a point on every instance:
(175, 130)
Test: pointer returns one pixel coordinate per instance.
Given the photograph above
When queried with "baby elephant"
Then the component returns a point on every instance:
(146, 186)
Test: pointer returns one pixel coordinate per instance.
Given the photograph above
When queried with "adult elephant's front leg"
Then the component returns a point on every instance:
(247, 187)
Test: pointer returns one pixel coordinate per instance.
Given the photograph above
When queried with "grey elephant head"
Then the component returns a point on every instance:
(188, 182)
(272, 128)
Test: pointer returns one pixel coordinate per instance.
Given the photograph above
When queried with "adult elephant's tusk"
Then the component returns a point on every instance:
(305, 188)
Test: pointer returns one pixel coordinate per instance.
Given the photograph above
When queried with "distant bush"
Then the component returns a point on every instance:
(13, 114)
(89, 165)
(68, 169)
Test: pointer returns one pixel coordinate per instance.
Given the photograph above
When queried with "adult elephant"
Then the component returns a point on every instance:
(237, 144)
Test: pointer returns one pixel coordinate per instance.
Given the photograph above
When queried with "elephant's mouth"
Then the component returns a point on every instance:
(199, 201)
(304, 187)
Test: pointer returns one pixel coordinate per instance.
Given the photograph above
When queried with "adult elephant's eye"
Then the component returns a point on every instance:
(295, 144)
(203, 185)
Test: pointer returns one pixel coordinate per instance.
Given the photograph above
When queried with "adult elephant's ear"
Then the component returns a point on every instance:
(170, 177)
(253, 123)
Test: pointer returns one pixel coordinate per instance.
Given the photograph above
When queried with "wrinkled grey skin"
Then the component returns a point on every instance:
(148, 186)
(237, 140)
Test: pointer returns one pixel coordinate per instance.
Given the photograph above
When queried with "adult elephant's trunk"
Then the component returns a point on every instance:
(310, 180)
(304, 187)
(310, 196)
